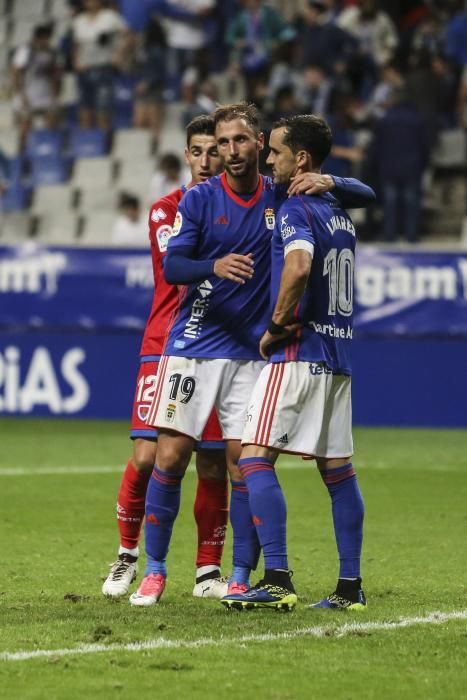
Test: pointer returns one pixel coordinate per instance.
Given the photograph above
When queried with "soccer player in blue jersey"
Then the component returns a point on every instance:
(302, 401)
(220, 248)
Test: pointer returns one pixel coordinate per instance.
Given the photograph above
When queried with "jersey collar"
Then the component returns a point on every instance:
(249, 203)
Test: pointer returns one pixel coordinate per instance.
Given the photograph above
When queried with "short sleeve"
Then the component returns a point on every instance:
(295, 227)
(21, 57)
(161, 219)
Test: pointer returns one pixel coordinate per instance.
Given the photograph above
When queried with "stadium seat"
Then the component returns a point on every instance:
(172, 138)
(59, 227)
(123, 96)
(135, 178)
(44, 142)
(59, 9)
(51, 197)
(21, 32)
(22, 9)
(132, 144)
(15, 227)
(98, 199)
(49, 170)
(450, 150)
(88, 143)
(16, 198)
(9, 142)
(97, 229)
(6, 116)
(92, 172)
(3, 34)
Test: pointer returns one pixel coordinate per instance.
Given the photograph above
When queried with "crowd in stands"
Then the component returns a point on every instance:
(390, 77)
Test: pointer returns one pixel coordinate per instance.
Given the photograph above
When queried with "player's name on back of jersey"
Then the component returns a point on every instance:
(340, 223)
(331, 330)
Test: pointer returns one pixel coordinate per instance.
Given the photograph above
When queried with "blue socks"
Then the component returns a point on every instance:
(162, 505)
(246, 546)
(267, 506)
(347, 512)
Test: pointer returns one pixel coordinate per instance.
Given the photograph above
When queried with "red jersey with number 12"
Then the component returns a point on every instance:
(166, 296)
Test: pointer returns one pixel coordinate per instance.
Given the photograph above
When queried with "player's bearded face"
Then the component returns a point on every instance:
(202, 157)
(239, 147)
(281, 158)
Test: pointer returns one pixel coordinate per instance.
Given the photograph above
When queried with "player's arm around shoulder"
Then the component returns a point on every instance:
(351, 193)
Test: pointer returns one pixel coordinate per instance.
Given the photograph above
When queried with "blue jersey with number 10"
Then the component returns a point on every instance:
(219, 318)
(318, 224)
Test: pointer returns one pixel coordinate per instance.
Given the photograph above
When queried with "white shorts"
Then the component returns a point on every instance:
(301, 407)
(189, 388)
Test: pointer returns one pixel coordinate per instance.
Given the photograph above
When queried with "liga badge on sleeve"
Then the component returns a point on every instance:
(269, 218)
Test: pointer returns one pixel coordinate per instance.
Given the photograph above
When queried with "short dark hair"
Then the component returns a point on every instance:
(204, 124)
(170, 161)
(309, 133)
(127, 199)
(238, 110)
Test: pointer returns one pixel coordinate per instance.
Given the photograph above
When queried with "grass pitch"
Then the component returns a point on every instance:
(58, 483)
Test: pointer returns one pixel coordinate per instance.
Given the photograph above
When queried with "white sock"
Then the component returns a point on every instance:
(209, 568)
(124, 550)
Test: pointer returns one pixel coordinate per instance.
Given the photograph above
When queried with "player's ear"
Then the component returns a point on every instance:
(260, 140)
(187, 153)
(301, 158)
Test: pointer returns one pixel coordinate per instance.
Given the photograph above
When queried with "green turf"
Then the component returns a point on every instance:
(58, 535)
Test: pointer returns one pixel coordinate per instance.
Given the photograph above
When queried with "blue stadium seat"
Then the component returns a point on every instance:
(124, 86)
(88, 143)
(44, 142)
(16, 198)
(49, 170)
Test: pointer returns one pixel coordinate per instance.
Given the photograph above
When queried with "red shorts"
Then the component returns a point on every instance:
(144, 393)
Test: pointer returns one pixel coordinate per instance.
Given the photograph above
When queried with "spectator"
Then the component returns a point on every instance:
(253, 34)
(324, 43)
(100, 38)
(169, 176)
(36, 82)
(428, 36)
(432, 88)
(390, 78)
(187, 25)
(456, 35)
(400, 153)
(377, 38)
(199, 97)
(130, 228)
(149, 90)
(317, 90)
(462, 100)
(345, 154)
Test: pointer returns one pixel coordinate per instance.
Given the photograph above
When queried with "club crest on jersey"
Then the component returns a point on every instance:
(269, 218)
(158, 215)
(170, 412)
(163, 234)
(177, 224)
(143, 410)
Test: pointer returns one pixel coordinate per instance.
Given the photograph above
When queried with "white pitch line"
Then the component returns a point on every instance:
(90, 469)
(334, 631)
(115, 469)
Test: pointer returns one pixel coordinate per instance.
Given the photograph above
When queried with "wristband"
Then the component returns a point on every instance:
(275, 328)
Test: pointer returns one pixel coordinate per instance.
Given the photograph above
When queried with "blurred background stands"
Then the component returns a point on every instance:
(94, 98)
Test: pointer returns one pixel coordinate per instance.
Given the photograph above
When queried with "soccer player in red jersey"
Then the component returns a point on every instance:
(211, 507)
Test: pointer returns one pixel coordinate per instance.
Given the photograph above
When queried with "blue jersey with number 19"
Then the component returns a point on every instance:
(219, 318)
(319, 225)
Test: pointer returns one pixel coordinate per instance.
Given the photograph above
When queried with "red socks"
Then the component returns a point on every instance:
(130, 505)
(211, 512)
